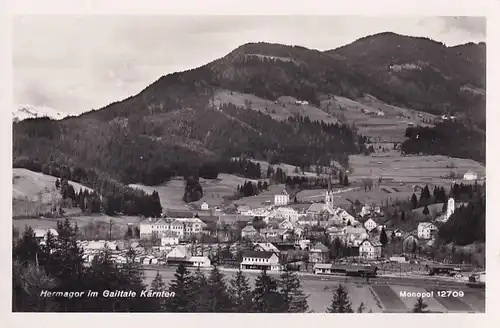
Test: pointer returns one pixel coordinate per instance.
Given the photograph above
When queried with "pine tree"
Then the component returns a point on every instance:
(290, 287)
(403, 216)
(361, 308)
(383, 237)
(181, 286)
(340, 302)
(346, 180)
(414, 201)
(242, 294)
(218, 296)
(265, 296)
(158, 284)
(200, 285)
(420, 306)
(425, 211)
(58, 183)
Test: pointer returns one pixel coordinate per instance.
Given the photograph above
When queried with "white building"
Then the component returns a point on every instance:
(199, 261)
(204, 206)
(470, 176)
(370, 249)
(425, 230)
(41, 233)
(169, 238)
(260, 260)
(282, 199)
(370, 224)
(285, 213)
(182, 227)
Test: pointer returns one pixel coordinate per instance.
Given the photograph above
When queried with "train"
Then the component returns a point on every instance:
(346, 270)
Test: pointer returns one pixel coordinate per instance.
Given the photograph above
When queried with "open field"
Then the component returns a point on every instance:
(214, 191)
(34, 192)
(119, 223)
(281, 109)
(260, 199)
(375, 296)
(290, 169)
(170, 193)
(364, 114)
(30, 185)
(412, 168)
(351, 194)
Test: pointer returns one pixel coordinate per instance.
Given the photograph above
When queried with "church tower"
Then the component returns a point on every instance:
(450, 209)
(329, 193)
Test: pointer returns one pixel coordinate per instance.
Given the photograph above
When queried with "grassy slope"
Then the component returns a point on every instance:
(32, 190)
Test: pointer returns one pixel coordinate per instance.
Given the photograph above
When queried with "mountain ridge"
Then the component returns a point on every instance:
(172, 126)
(25, 111)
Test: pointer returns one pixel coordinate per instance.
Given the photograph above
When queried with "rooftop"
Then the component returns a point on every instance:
(263, 255)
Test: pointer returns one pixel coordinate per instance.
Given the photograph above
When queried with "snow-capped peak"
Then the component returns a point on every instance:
(23, 112)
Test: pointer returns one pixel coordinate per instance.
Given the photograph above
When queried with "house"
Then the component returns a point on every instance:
(322, 268)
(266, 247)
(260, 261)
(318, 253)
(370, 249)
(370, 224)
(298, 232)
(248, 231)
(204, 206)
(243, 209)
(344, 217)
(199, 261)
(426, 230)
(285, 213)
(282, 199)
(271, 233)
(41, 233)
(470, 176)
(286, 224)
(398, 233)
(177, 253)
(380, 113)
(169, 238)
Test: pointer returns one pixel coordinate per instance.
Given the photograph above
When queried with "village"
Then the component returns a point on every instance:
(317, 238)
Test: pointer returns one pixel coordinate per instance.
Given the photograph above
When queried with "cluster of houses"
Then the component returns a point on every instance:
(286, 228)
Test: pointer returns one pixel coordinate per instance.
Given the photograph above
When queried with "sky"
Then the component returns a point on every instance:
(78, 63)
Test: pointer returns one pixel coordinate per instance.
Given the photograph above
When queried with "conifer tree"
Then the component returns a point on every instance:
(425, 211)
(414, 201)
(182, 287)
(361, 308)
(217, 290)
(290, 288)
(241, 293)
(158, 284)
(420, 306)
(265, 296)
(383, 237)
(340, 302)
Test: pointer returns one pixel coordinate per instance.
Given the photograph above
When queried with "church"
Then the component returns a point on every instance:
(328, 212)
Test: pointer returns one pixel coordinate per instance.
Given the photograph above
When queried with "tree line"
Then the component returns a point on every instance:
(454, 139)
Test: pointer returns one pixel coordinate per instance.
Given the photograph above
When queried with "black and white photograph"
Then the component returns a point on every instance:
(248, 164)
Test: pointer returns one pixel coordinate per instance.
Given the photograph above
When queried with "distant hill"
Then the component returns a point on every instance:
(423, 74)
(181, 121)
